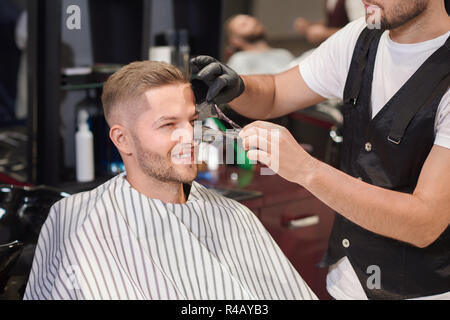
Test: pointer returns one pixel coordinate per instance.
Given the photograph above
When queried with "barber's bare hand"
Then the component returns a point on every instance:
(275, 147)
(224, 83)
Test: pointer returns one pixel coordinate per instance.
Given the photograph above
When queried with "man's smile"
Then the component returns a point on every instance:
(183, 154)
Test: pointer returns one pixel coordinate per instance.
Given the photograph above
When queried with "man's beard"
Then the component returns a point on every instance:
(161, 168)
(402, 13)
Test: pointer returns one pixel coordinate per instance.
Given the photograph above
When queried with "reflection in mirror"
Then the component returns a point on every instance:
(13, 91)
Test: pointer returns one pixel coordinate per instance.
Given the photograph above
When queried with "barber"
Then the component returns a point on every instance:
(391, 236)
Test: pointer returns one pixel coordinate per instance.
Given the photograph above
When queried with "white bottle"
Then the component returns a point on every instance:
(84, 149)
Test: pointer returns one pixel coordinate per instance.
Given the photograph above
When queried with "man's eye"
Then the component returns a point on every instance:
(167, 125)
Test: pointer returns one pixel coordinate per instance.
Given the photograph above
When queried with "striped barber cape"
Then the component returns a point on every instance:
(115, 243)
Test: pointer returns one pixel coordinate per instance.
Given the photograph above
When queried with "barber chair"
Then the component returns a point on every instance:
(334, 146)
(321, 127)
(23, 211)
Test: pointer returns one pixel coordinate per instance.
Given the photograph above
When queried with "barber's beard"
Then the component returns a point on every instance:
(402, 13)
(162, 168)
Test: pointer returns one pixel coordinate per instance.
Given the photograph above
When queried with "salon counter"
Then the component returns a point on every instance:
(298, 222)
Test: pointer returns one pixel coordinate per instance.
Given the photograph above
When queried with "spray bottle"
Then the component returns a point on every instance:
(84, 149)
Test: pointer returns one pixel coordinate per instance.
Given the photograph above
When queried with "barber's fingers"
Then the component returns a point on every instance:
(198, 63)
(210, 72)
(257, 130)
(260, 156)
(248, 131)
(261, 127)
(256, 142)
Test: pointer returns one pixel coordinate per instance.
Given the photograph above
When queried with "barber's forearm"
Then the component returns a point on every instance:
(392, 214)
(257, 101)
(273, 96)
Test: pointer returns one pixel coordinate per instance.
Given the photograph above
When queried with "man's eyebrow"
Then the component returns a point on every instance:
(172, 118)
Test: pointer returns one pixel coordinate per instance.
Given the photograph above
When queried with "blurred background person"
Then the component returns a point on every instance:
(338, 14)
(247, 50)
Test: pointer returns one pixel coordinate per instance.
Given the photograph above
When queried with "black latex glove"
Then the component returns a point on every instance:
(223, 82)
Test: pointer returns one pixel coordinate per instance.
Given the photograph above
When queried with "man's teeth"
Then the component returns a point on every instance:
(183, 156)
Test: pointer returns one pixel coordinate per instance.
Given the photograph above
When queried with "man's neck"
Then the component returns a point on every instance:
(168, 192)
(432, 23)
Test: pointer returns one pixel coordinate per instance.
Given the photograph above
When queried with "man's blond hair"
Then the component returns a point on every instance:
(123, 90)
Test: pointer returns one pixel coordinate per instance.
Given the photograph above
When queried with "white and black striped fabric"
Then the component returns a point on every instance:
(115, 243)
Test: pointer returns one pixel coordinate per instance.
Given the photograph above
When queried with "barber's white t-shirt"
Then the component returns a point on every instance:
(325, 72)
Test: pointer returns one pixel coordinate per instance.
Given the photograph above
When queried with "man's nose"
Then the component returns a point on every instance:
(190, 131)
(184, 134)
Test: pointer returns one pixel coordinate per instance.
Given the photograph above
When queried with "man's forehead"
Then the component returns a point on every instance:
(181, 92)
(170, 100)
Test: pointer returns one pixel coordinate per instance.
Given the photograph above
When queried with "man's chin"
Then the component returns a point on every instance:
(187, 173)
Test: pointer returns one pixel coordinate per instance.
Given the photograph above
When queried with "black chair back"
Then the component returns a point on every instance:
(23, 211)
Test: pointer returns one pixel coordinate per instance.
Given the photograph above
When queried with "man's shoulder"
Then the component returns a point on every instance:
(240, 58)
(280, 53)
(86, 196)
(83, 204)
(249, 55)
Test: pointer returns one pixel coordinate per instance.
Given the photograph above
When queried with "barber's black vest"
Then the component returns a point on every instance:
(389, 151)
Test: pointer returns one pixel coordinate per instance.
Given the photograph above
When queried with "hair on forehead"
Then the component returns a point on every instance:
(123, 90)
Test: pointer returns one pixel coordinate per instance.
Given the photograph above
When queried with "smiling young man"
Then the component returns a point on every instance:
(153, 233)
(391, 236)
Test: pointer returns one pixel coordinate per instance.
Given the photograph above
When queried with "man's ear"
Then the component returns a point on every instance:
(121, 138)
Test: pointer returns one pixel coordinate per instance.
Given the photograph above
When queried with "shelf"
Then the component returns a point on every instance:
(70, 87)
(82, 82)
